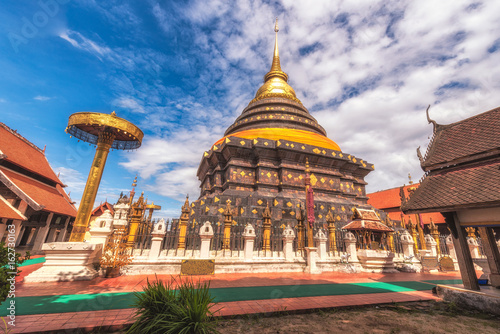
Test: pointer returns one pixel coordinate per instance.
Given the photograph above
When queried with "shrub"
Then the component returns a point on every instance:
(162, 309)
(9, 262)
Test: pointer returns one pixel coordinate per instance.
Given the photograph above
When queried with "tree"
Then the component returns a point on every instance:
(9, 263)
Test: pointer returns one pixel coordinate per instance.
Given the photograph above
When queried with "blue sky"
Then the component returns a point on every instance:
(183, 71)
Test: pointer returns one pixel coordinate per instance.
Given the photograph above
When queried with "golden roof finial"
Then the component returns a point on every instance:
(409, 178)
(275, 66)
(307, 166)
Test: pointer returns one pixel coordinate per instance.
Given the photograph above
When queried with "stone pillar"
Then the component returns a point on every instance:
(249, 237)
(320, 243)
(311, 255)
(288, 236)
(431, 244)
(50, 236)
(228, 221)
(350, 246)
(408, 245)
(19, 229)
(42, 234)
(206, 234)
(157, 236)
(492, 254)
(266, 230)
(183, 221)
(3, 228)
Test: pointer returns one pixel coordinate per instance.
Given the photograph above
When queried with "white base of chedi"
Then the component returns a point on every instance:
(67, 261)
(376, 260)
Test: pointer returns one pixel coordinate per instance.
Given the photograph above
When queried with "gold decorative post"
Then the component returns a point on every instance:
(136, 212)
(413, 233)
(106, 131)
(228, 221)
(181, 244)
(420, 232)
(299, 215)
(435, 235)
(331, 231)
(266, 229)
(309, 206)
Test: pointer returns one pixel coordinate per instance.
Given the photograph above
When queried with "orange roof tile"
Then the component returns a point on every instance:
(101, 208)
(389, 198)
(8, 211)
(18, 150)
(50, 197)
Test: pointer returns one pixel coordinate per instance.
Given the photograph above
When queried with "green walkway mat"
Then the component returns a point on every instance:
(110, 301)
(33, 261)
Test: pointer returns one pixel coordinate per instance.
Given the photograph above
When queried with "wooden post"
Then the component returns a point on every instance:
(299, 214)
(490, 249)
(462, 250)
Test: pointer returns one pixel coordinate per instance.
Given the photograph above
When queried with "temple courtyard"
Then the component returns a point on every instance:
(258, 302)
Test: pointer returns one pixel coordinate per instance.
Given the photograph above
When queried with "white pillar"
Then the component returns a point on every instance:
(451, 249)
(288, 237)
(157, 237)
(473, 247)
(311, 256)
(206, 234)
(407, 243)
(42, 234)
(320, 243)
(101, 229)
(249, 237)
(350, 246)
(431, 245)
(63, 232)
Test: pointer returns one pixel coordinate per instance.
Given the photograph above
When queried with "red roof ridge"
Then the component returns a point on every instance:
(15, 133)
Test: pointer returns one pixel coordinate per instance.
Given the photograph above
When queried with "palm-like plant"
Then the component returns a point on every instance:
(162, 309)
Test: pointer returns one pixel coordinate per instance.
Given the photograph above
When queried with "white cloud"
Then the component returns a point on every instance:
(129, 103)
(41, 98)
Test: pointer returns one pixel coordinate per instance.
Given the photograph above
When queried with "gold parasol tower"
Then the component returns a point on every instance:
(106, 131)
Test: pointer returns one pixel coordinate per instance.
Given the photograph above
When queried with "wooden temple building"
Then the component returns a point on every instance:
(462, 178)
(260, 163)
(32, 198)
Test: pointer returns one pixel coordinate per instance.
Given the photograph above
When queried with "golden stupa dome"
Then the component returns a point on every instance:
(276, 113)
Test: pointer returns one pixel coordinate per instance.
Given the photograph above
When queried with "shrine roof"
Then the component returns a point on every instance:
(463, 141)
(38, 194)
(18, 150)
(7, 211)
(469, 186)
(101, 208)
(369, 225)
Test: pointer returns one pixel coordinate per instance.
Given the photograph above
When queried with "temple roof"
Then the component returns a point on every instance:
(276, 113)
(38, 195)
(462, 165)
(9, 212)
(463, 141)
(366, 219)
(16, 149)
(460, 187)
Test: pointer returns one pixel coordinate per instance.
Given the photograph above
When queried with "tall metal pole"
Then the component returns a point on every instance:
(89, 194)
